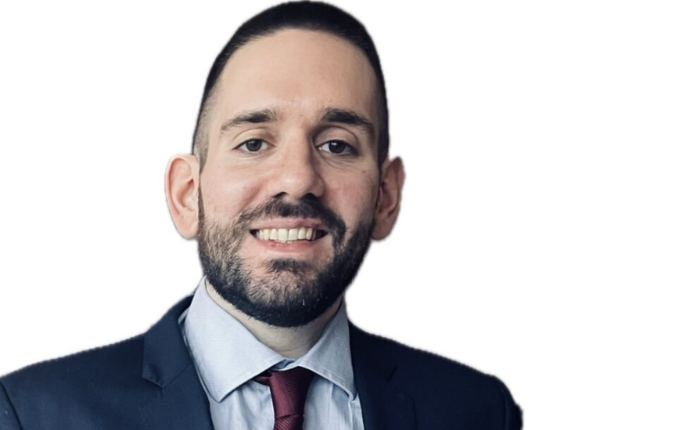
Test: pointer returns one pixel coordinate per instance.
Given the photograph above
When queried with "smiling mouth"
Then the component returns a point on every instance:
(289, 235)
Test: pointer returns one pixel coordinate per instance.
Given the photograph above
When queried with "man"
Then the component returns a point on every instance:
(288, 182)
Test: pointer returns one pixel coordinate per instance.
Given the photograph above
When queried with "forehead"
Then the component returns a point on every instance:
(296, 73)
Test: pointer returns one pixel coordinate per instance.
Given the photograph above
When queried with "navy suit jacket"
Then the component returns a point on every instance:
(150, 382)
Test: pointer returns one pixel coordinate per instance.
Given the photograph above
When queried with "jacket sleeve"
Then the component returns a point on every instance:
(8, 416)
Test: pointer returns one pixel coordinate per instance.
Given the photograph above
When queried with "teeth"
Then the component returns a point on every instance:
(285, 235)
(282, 234)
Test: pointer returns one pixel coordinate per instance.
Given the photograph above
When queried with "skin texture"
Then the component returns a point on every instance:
(294, 76)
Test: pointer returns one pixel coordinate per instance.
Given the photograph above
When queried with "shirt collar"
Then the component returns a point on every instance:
(227, 355)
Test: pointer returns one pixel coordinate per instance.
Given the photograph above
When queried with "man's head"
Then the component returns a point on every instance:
(306, 15)
(289, 183)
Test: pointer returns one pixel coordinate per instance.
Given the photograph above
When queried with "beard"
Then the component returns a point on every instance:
(294, 292)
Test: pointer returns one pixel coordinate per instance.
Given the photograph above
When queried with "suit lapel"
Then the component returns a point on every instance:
(182, 405)
(384, 405)
(181, 402)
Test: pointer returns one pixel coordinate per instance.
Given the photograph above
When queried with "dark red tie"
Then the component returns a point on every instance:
(288, 390)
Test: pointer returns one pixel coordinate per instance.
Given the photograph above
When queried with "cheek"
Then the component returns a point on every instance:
(353, 197)
(226, 193)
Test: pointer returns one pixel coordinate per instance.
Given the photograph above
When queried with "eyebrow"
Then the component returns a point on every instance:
(249, 117)
(330, 115)
(348, 117)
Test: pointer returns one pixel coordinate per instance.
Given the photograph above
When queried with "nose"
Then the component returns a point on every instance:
(297, 172)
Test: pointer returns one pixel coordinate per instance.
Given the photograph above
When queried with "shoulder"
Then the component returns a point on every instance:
(98, 364)
(96, 379)
(105, 387)
(426, 368)
(438, 383)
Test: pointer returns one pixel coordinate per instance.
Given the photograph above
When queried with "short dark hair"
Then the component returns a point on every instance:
(296, 15)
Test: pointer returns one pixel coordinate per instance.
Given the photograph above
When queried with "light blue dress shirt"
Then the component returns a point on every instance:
(227, 356)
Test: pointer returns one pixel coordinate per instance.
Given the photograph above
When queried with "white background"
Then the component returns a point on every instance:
(549, 231)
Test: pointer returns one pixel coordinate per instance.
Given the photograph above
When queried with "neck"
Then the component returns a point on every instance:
(288, 342)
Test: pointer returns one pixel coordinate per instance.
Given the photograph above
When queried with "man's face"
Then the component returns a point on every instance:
(290, 184)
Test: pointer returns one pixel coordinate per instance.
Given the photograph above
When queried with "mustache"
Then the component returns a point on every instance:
(307, 207)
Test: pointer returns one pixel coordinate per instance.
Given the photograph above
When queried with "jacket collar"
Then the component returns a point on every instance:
(165, 355)
(384, 405)
(183, 404)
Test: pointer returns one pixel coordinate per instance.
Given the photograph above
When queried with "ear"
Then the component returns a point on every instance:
(181, 185)
(389, 198)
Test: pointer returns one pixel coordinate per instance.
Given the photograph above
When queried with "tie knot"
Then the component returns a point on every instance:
(288, 389)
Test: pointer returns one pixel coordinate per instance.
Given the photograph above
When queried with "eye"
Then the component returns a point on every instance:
(253, 145)
(337, 147)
